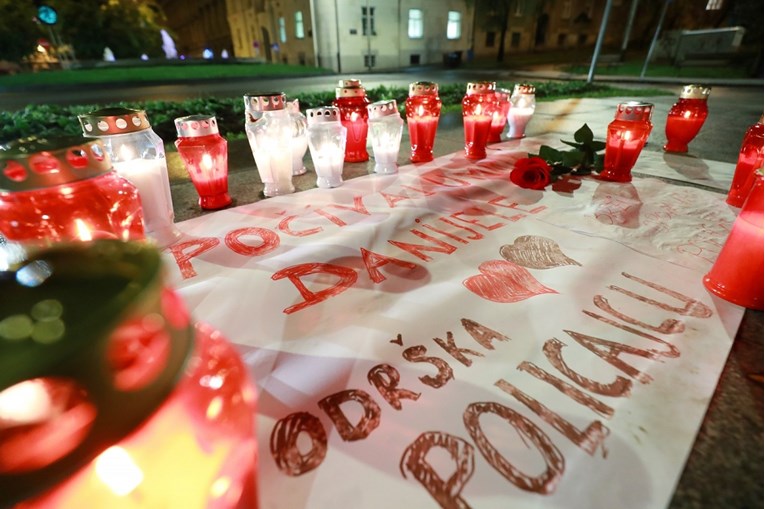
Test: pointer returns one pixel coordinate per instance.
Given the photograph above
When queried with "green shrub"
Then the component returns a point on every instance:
(50, 120)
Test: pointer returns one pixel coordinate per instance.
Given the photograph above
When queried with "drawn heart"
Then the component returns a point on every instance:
(534, 252)
(502, 281)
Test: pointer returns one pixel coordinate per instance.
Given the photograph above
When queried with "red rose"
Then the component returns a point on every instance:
(531, 173)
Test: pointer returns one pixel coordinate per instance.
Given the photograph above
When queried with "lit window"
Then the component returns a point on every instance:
(282, 30)
(454, 25)
(415, 24)
(714, 5)
(368, 21)
(299, 31)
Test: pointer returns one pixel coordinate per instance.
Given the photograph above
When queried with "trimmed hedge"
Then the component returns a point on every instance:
(50, 120)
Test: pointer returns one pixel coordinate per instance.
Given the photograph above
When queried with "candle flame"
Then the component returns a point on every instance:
(126, 153)
(206, 163)
(25, 402)
(116, 469)
(354, 116)
(687, 114)
(83, 232)
(420, 110)
(478, 109)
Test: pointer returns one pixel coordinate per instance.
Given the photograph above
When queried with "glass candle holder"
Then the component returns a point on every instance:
(204, 152)
(64, 189)
(270, 138)
(627, 134)
(299, 145)
(351, 99)
(112, 397)
(478, 108)
(423, 109)
(523, 102)
(749, 159)
(326, 141)
(137, 154)
(386, 127)
(499, 119)
(737, 275)
(686, 117)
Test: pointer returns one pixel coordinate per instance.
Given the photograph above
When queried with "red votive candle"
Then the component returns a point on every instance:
(112, 397)
(423, 109)
(627, 134)
(686, 117)
(205, 154)
(737, 275)
(749, 159)
(478, 108)
(64, 189)
(499, 119)
(351, 99)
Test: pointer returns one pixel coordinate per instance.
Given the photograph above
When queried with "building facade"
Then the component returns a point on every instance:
(199, 25)
(359, 35)
(350, 35)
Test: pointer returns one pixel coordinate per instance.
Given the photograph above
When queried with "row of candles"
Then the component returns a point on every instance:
(186, 406)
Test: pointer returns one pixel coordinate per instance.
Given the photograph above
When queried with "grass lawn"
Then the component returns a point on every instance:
(662, 70)
(180, 71)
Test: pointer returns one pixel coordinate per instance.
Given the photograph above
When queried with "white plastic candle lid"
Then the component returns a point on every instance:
(267, 101)
(322, 115)
(196, 125)
(524, 88)
(382, 109)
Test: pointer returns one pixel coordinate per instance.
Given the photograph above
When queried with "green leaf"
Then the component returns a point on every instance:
(572, 158)
(559, 169)
(597, 145)
(584, 134)
(549, 154)
(578, 146)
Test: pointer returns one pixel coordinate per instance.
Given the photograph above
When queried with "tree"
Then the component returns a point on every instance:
(495, 14)
(19, 30)
(128, 27)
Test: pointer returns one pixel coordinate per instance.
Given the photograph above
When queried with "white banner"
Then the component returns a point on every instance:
(441, 337)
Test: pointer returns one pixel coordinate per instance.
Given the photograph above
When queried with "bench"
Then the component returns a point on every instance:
(705, 59)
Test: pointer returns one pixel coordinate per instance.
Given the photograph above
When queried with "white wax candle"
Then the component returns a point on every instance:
(149, 176)
(517, 119)
(328, 163)
(386, 159)
(298, 147)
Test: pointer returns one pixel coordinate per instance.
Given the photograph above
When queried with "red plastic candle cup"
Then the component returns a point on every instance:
(499, 119)
(627, 134)
(113, 397)
(749, 159)
(478, 108)
(686, 117)
(423, 109)
(64, 189)
(351, 100)
(204, 152)
(737, 275)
